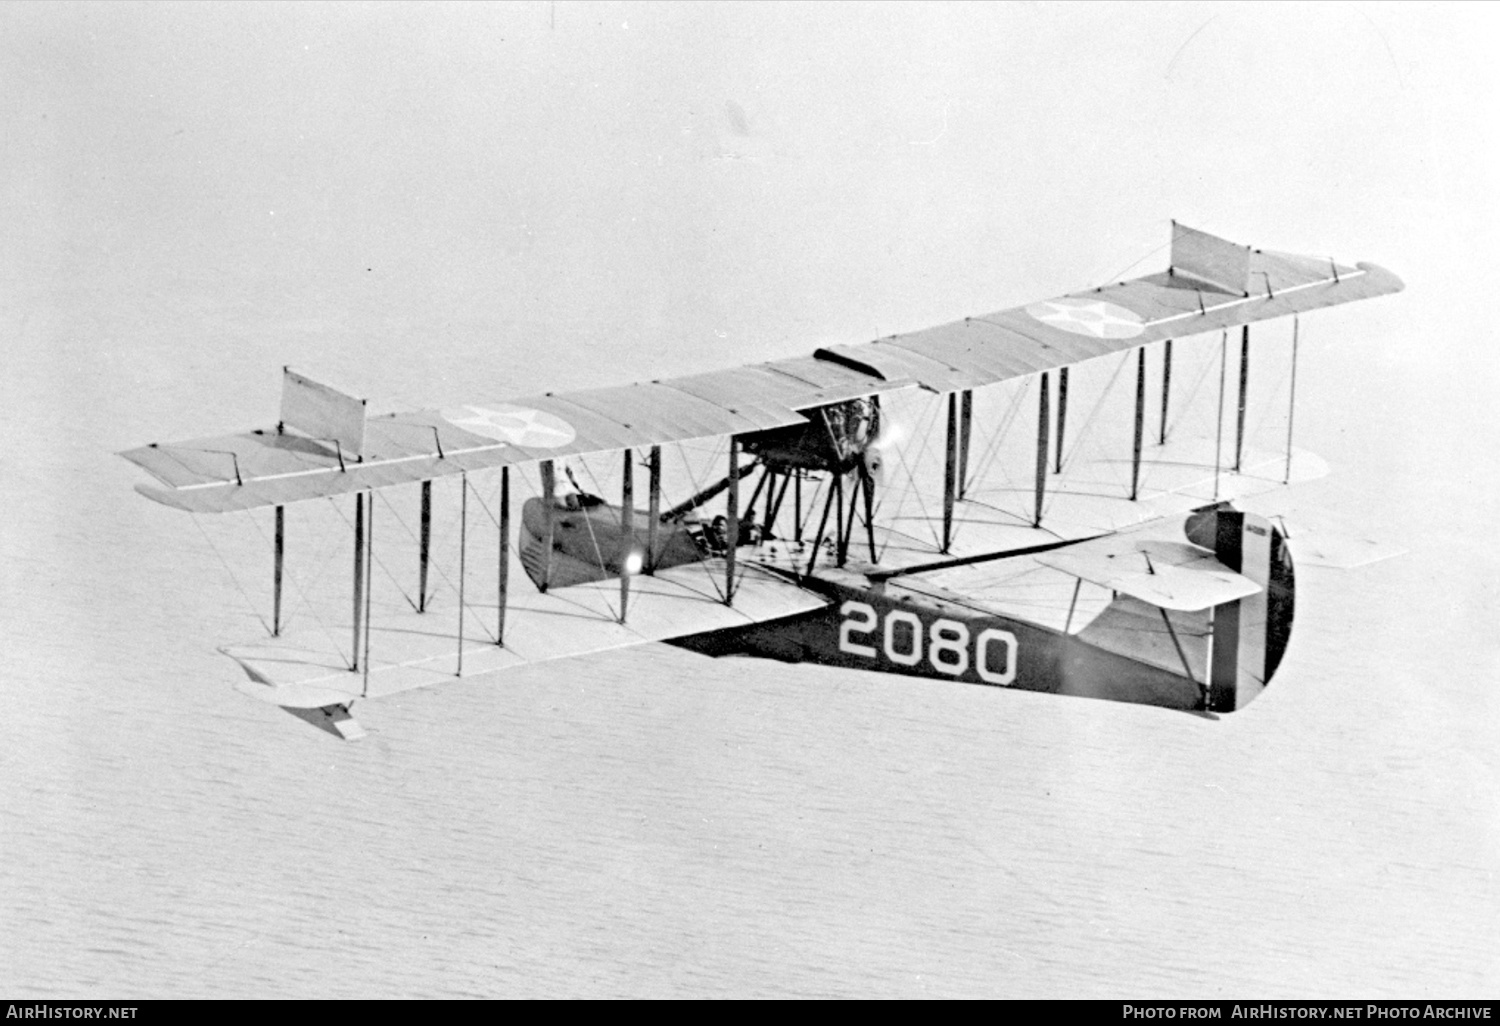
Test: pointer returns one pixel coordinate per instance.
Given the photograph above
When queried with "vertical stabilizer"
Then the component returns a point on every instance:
(1241, 663)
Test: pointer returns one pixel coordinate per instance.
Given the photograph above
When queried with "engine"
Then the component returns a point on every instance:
(839, 438)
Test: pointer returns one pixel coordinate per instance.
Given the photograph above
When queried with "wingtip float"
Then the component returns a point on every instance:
(1148, 585)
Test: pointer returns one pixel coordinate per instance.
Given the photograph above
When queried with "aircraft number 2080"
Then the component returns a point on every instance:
(950, 646)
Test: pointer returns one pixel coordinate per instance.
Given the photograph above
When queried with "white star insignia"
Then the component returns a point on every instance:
(518, 425)
(1088, 317)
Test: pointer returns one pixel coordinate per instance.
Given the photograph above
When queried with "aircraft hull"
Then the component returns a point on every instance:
(868, 629)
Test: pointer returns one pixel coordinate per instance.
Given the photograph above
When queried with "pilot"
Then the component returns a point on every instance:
(718, 533)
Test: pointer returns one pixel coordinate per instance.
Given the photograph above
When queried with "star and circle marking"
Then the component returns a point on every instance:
(517, 425)
(1092, 317)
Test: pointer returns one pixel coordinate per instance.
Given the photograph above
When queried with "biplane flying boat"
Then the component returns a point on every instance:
(860, 507)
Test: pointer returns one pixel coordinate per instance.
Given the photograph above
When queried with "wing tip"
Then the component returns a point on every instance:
(1386, 280)
(164, 496)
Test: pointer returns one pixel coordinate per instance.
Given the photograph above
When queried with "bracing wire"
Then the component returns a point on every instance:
(232, 576)
(916, 492)
(380, 562)
(305, 600)
(696, 482)
(1182, 409)
(988, 455)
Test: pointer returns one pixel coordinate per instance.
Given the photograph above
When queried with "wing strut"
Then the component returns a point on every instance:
(627, 528)
(838, 520)
(1043, 405)
(797, 501)
(463, 553)
(1140, 422)
(732, 535)
(359, 571)
(281, 552)
(549, 486)
(364, 690)
(950, 472)
(654, 513)
(869, 488)
(965, 430)
(1239, 434)
(503, 568)
(1166, 391)
(1062, 415)
(424, 546)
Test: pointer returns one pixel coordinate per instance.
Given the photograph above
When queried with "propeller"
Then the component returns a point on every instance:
(881, 449)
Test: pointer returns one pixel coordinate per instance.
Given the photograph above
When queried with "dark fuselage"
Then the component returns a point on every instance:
(871, 629)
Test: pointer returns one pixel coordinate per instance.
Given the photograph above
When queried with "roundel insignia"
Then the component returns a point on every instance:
(518, 425)
(1092, 317)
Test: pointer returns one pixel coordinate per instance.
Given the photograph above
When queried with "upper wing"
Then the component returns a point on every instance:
(1211, 284)
(273, 467)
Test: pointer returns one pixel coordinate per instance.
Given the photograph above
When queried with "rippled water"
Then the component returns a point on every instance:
(649, 822)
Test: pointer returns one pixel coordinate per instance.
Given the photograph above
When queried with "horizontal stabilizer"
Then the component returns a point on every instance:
(1324, 544)
(1171, 575)
(1317, 538)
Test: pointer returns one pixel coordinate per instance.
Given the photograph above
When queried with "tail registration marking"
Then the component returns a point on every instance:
(948, 649)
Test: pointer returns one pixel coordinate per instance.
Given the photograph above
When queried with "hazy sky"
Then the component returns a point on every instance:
(723, 180)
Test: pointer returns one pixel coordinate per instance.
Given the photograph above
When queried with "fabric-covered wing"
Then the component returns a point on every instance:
(271, 467)
(1211, 284)
(1080, 326)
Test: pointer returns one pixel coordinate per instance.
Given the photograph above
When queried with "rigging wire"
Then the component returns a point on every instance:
(1268, 408)
(232, 575)
(696, 481)
(915, 491)
(1175, 421)
(306, 600)
(1083, 431)
(468, 607)
(441, 534)
(988, 456)
(1084, 437)
(385, 569)
(588, 522)
(1112, 279)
